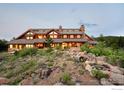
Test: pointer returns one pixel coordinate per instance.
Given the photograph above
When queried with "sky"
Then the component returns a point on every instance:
(106, 19)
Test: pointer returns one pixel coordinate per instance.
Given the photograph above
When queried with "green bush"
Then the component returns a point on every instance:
(28, 65)
(27, 51)
(58, 47)
(66, 79)
(50, 64)
(98, 74)
(81, 72)
(85, 47)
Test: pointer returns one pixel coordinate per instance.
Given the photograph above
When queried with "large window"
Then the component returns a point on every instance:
(11, 46)
(71, 36)
(64, 36)
(29, 37)
(40, 36)
(53, 35)
(29, 46)
(78, 36)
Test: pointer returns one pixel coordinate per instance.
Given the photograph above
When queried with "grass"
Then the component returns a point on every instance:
(98, 74)
(66, 79)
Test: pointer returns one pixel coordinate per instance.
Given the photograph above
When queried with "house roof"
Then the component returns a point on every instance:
(25, 41)
(45, 31)
(64, 31)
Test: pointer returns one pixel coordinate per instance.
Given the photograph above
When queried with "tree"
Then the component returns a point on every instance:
(48, 42)
(3, 45)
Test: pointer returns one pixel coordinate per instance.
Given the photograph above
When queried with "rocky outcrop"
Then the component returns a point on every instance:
(105, 81)
(117, 79)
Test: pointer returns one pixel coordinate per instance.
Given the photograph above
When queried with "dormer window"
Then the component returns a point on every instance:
(30, 33)
(53, 34)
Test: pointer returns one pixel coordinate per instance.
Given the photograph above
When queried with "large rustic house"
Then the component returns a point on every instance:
(61, 36)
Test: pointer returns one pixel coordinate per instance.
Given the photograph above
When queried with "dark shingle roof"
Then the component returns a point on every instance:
(64, 31)
(25, 41)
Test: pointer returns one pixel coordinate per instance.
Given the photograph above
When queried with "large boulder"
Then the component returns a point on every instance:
(101, 58)
(104, 81)
(88, 67)
(115, 69)
(45, 73)
(28, 81)
(3, 81)
(117, 79)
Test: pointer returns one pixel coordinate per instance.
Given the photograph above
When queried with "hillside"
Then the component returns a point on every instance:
(112, 41)
(58, 67)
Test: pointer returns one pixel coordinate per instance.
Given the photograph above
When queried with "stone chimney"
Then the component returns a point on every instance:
(82, 28)
(60, 28)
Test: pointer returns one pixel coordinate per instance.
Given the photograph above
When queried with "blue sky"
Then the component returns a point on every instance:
(106, 19)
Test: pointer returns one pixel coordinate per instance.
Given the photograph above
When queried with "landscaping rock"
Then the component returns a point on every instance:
(45, 73)
(3, 81)
(28, 81)
(101, 58)
(116, 79)
(88, 68)
(104, 81)
(115, 69)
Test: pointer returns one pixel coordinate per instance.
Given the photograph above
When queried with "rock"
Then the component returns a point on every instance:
(100, 62)
(59, 83)
(90, 62)
(88, 68)
(27, 81)
(122, 69)
(116, 78)
(87, 79)
(3, 81)
(115, 69)
(45, 73)
(104, 81)
(101, 58)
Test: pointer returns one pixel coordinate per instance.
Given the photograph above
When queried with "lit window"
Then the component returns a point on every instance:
(78, 44)
(11, 46)
(30, 33)
(78, 36)
(51, 36)
(55, 36)
(29, 46)
(71, 36)
(40, 36)
(20, 46)
(29, 37)
(64, 36)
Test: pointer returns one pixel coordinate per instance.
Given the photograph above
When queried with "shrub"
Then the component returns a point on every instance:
(50, 64)
(49, 50)
(27, 51)
(81, 72)
(85, 47)
(28, 65)
(66, 79)
(98, 74)
(58, 47)
(64, 64)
